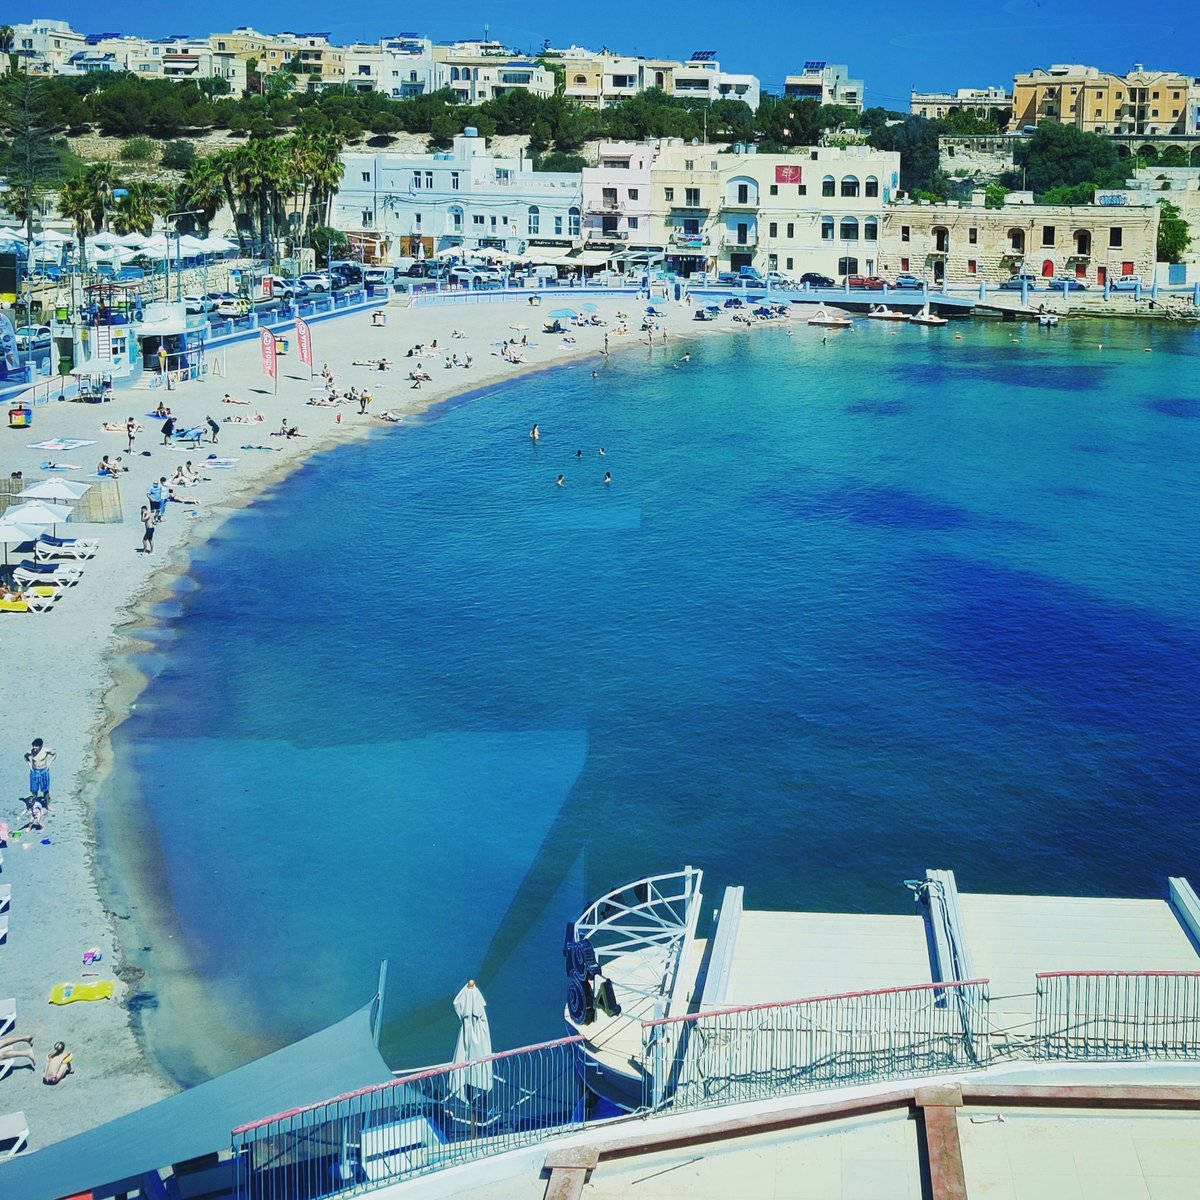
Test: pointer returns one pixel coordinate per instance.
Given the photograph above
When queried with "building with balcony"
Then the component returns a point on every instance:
(306, 53)
(45, 46)
(815, 209)
(969, 243)
(1142, 103)
(616, 198)
(479, 71)
(465, 197)
(400, 66)
(826, 83)
(983, 102)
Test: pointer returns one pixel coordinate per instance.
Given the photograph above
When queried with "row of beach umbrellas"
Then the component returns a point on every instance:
(47, 505)
(48, 245)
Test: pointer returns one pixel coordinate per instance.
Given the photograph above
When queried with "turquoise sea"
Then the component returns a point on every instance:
(846, 611)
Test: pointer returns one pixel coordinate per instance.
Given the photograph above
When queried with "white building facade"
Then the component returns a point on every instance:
(464, 197)
(400, 66)
(826, 83)
(617, 198)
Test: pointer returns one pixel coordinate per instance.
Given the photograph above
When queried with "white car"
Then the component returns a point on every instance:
(33, 337)
(1126, 283)
(199, 304)
(318, 281)
(233, 308)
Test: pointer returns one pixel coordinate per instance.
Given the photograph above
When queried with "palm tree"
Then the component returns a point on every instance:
(203, 189)
(327, 169)
(143, 201)
(75, 203)
(8, 36)
(102, 181)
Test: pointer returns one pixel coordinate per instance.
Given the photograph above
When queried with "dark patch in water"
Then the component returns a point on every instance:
(1071, 492)
(878, 408)
(140, 1001)
(1185, 407)
(886, 507)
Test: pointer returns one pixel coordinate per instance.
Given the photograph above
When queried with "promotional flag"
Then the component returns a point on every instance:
(304, 341)
(269, 361)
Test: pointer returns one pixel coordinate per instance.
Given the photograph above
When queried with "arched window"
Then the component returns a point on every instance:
(870, 230)
(535, 220)
(941, 239)
(847, 266)
(581, 79)
(850, 185)
(827, 229)
(1016, 241)
(1083, 243)
(849, 229)
(659, 79)
(573, 222)
(455, 214)
(871, 186)
(828, 187)
(453, 74)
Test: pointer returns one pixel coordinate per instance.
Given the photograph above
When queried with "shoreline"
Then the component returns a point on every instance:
(100, 632)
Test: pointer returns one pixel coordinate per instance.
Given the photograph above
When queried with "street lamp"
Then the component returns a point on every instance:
(189, 212)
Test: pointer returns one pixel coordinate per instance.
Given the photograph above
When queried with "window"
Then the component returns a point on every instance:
(802, 189)
(906, 233)
(1115, 236)
(633, 193)
(828, 187)
(850, 185)
(827, 229)
(904, 264)
(670, 193)
(972, 267)
(454, 181)
(558, 226)
(367, 218)
(416, 179)
(366, 176)
(477, 219)
(1047, 235)
(871, 230)
(871, 187)
(791, 230)
(429, 179)
(849, 229)
(689, 164)
(847, 266)
(633, 223)
(773, 230)
(456, 220)
(535, 220)
(788, 264)
(743, 194)
(774, 189)
(580, 79)
(1016, 241)
(573, 222)
(973, 236)
(692, 199)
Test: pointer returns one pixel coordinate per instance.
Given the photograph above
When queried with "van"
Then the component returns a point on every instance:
(379, 276)
(540, 276)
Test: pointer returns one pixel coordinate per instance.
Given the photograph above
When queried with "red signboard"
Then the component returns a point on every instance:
(304, 341)
(269, 361)
(789, 173)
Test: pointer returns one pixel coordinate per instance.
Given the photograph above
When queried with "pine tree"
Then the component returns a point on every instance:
(30, 158)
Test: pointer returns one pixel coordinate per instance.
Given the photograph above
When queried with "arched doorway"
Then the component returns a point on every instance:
(1048, 269)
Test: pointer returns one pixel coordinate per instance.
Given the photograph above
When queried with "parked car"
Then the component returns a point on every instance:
(199, 304)
(906, 280)
(237, 307)
(1069, 283)
(1014, 284)
(779, 279)
(319, 281)
(217, 297)
(345, 274)
(870, 283)
(816, 279)
(33, 337)
(1126, 283)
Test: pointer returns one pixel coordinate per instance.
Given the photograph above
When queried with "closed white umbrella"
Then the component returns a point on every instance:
(474, 1043)
(62, 490)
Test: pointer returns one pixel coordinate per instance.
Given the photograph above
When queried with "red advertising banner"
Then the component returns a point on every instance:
(304, 341)
(269, 361)
(789, 173)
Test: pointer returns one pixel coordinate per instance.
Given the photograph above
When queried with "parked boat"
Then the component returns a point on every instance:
(881, 312)
(828, 319)
(1045, 320)
(927, 317)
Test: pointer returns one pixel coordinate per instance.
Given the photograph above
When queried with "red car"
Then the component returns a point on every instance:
(870, 283)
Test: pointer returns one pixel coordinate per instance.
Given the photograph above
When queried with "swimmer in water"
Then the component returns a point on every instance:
(607, 478)
(601, 451)
(559, 481)
(578, 453)
(534, 434)
(686, 358)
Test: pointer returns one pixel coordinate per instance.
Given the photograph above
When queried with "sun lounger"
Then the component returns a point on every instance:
(14, 1130)
(56, 574)
(8, 1017)
(5, 901)
(3, 929)
(52, 547)
(33, 600)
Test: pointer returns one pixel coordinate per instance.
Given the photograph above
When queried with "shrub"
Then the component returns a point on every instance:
(179, 155)
(138, 150)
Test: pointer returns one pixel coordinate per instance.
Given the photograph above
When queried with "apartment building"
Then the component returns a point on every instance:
(1149, 103)
(600, 78)
(479, 71)
(826, 83)
(983, 102)
(311, 53)
(617, 198)
(464, 197)
(400, 66)
(45, 46)
(815, 209)
(969, 243)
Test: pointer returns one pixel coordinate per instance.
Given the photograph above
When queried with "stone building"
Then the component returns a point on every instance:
(968, 243)
(1142, 102)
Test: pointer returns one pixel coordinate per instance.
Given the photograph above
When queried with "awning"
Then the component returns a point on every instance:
(342, 1058)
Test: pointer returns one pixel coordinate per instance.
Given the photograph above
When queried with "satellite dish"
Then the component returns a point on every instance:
(695, 141)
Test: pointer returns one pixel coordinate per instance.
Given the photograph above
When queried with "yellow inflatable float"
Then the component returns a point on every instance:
(68, 993)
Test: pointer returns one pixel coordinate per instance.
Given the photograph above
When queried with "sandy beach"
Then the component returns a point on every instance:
(67, 671)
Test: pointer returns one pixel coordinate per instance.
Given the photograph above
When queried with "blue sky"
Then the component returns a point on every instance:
(892, 45)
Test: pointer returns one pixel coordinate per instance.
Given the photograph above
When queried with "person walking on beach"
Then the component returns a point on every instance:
(39, 757)
(130, 433)
(168, 431)
(147, 530)
(213, 430)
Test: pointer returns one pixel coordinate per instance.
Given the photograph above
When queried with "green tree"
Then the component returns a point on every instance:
(1079, 193)
(1174, 236)
(993, 195)
(203, 188)
(1173, 156)
(328, 243)
(30, 160)
(559, 160)
(916, 141)
(1059, 155)
(179, 155)
(135, 212)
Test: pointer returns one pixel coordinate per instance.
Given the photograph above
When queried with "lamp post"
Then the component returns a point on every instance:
(189, 212)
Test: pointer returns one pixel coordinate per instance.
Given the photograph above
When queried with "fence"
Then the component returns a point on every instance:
(751, 1053)
(1117, 1015)
(436, 1118)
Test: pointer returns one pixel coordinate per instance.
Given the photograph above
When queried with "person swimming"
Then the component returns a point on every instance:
(560, 480)
(535, 434)
(601, 451)
(578, 453)
(607, 477)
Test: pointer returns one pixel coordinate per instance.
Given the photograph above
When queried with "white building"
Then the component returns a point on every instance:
(45, 46)
(826, 83)
(466, 196)
(479, 71)
(983, 102)
(400, 66)
(617, 193)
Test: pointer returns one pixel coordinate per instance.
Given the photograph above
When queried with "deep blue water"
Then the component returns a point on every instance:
(846, 612)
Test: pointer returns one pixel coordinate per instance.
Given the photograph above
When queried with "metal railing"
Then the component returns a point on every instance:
(421, 1122)
(754, 1052)
(1117, 1015)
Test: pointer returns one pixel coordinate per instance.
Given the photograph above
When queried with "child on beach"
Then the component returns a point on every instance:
(59, 1064)
(39, 757)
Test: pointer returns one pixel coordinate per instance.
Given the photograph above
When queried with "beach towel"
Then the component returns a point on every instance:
(53, 466)
(60, 444)
(69, 993)
(218, 464)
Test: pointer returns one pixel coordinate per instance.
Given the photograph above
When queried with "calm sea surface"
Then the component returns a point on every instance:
(846, 612)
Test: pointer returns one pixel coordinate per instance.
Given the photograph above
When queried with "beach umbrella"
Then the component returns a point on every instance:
(519, 325)
(51, 237)
(569, 313)
(62, 490)
(591, 307)
(38, 512)
(474, 1043)
(14, 534)
(217, 245)
(133, 240)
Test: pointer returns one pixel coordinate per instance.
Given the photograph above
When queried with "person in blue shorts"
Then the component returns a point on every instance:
(39, 757)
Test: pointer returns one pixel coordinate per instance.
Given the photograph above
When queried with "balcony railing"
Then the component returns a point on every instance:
(732, 241)
(607, 235)
(605, 206)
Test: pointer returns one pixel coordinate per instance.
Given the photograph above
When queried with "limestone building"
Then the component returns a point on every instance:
(1143, 102)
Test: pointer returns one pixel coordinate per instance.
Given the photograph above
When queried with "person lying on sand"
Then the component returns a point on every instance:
(118, 427)
(390, 415)
(228, 399)
(258, 418)
(9, 1048)
(59, 1064)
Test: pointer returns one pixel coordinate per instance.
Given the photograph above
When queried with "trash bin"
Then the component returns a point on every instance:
(281, 345)
(20, 416)
(678, 292)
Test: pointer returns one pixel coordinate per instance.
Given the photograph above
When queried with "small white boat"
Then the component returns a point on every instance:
(830, 320)
(881, 312)
(1045, 320)
(927, 317)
